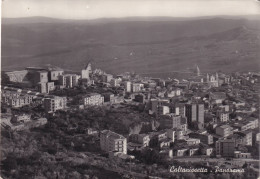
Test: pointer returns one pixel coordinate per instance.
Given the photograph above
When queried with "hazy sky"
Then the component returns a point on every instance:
(89, 9)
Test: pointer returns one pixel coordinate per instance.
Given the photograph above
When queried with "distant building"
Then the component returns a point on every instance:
(197, 71)
(20, 101)
(136, 87)
(223, 116)
(243, 138)
(46, 87)
(37, 77)
(250, 123)
(204, 138)
(143, 139)
(107, 78)
(127, 85)
(212, 80)
(93, 99)
(54, 103)
(223, 131)
(239, 154)
(86, 71)
(16, 76)
(217, 97)
(225, 147)
(113, 142)
(140, 98)
(54, 74)
(69, 80)
(109, 97)
(193, 141)
(162, 110)
(21, 118)
(176, 121)
(115, 82)
(195, 113)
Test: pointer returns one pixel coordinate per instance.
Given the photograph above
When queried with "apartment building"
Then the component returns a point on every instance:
(223, 131)
(143, 139)
(54, 103)
(107, 78)
(127, 85)
(93, 99)
(113, 142)
(223, 116)
(195, 113)
(136, 87)
(204, 138)
(225, 147)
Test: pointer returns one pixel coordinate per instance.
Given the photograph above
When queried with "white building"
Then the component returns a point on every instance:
(93, 99)
(136, 87)
(86, 71)
(127, 86)
(223, 116)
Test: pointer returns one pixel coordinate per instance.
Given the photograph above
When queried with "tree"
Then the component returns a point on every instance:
(10, 162)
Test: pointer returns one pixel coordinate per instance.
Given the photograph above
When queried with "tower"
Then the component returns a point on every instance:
(86, 71)
(207, 77)
(197, 71)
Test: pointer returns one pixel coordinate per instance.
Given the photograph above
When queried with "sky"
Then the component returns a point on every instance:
(91, 9)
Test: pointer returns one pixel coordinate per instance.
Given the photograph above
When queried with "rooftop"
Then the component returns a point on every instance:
(109, 133)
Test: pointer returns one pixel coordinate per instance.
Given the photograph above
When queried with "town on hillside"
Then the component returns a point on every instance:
(128, 125)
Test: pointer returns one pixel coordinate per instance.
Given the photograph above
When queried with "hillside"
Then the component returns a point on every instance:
(144, 46)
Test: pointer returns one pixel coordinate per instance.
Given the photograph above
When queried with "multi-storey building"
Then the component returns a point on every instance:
(54, 74)
(156, 103)
(109, 97)
(223, 131)
(62, 81)
(93, 99)
(46, 87)
(15, 76)
(107, 78)
(251, 123)
(204, 138)
(162, 110)
(243, 138)
(212, 80)
(54, 103)
(20, 101)
(217, 97)
(143, 139)
(69, 80)
(127, 85)
(223, 116)
(86, 71)
(192, 141)
(37, 75)
(136, 87)
(115, 82)
(225, 147)
(113, 142)
(195, 113)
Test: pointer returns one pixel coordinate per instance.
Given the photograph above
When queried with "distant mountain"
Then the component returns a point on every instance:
(133, 44)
